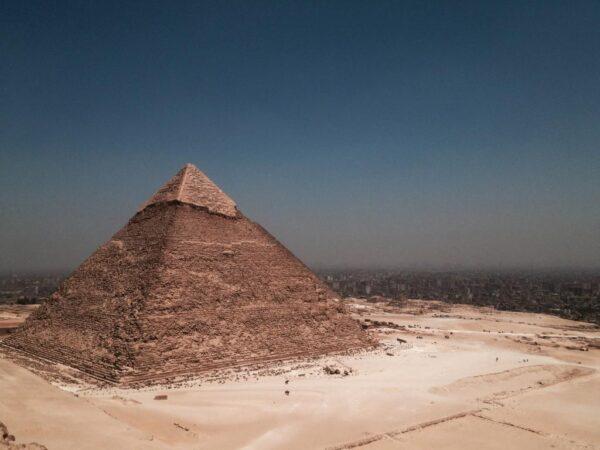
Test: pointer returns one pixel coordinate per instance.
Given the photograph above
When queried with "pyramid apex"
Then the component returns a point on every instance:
(190, 185)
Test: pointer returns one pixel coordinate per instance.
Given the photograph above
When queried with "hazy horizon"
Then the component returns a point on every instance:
(412, 134)
(521, 270)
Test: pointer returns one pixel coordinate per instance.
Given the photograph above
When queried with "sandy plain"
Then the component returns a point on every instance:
(444, 377)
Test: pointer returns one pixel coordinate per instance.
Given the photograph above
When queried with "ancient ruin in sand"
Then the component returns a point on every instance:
(189, 284)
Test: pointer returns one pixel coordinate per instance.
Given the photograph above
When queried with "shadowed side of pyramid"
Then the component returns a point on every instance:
(188, 285)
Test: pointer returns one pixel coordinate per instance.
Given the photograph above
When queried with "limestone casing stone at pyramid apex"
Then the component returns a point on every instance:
(190, 185)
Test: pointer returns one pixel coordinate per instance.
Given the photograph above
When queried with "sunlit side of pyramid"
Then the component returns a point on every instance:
(188, 285)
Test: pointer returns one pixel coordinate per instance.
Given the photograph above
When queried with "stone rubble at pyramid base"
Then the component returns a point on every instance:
(67, 371)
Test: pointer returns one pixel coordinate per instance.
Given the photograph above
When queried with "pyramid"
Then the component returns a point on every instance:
(188, 285)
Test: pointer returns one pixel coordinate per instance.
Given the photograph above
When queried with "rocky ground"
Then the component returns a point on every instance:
(446, 376)
(8, 441)
(11, 316)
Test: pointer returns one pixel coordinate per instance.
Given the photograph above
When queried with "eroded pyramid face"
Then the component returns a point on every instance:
(187, 285)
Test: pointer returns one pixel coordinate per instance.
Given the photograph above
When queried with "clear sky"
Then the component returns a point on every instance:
(405, 134)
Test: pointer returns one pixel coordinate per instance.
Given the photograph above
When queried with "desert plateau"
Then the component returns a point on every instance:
(443, 376)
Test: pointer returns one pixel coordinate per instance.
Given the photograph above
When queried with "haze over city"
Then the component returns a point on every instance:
(404, 134)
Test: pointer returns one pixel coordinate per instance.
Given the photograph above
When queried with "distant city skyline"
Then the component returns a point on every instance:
(360, 134)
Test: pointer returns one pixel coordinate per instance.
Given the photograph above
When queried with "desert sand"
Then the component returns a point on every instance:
(11, 316)
(444, 377)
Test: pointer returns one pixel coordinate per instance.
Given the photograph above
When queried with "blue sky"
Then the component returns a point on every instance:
(402, 134)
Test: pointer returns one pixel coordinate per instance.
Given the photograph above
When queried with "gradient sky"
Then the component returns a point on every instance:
(405, 134)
